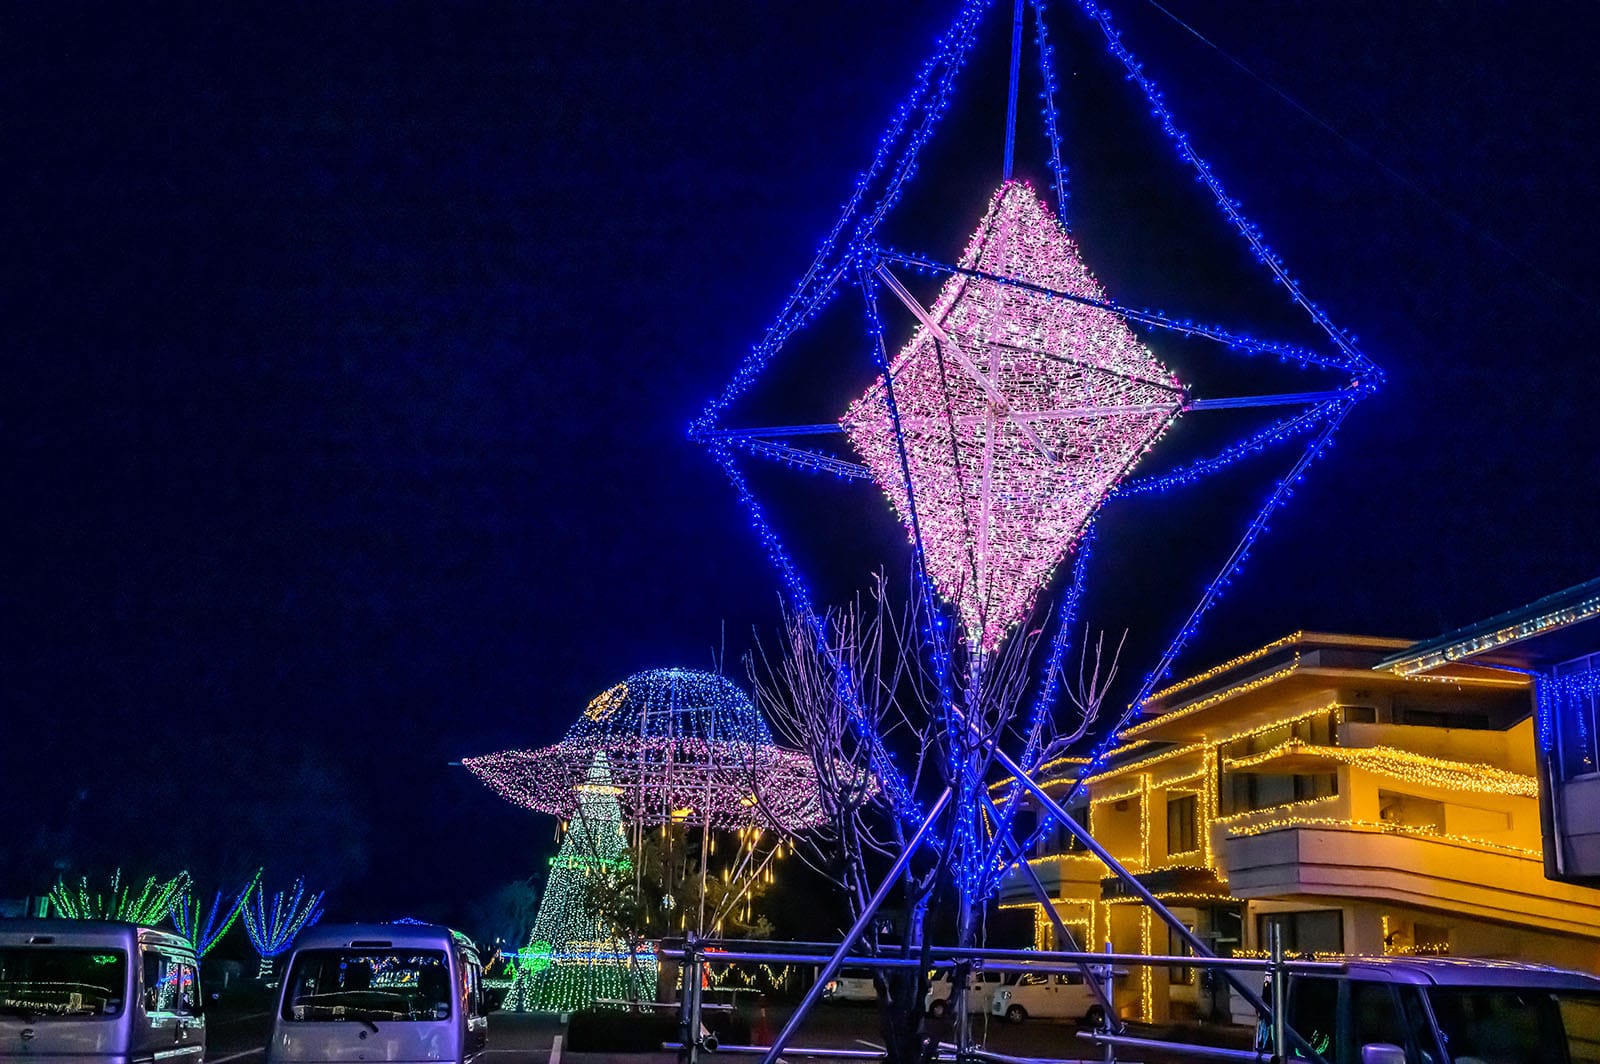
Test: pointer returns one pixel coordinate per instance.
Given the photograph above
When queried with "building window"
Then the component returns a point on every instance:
(1314, 931)
(1182, 824)
(1244, 792)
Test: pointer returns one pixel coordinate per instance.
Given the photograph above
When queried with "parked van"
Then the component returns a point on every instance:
(389, 992)
(980, 991)
(1049, 996)
(95, 991)
(851, 984)
(1415, 1010)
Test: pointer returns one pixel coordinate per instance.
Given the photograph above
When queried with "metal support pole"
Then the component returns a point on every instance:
(1062, 934)
(1131, 881)
(1280, 997)
(831, 968)
(689, 1002)
(1108, 989)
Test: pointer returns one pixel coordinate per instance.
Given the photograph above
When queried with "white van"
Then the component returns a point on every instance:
(1049, 996)
(980, 991)
(851, 984)
(390, 992)
(83, 991)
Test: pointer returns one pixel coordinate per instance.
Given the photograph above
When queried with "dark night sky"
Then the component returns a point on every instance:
(349, 351)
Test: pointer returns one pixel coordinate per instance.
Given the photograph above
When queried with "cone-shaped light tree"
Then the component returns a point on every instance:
(204, 934)
(572, 959)
(273, 924)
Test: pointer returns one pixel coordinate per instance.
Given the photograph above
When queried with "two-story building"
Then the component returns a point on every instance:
(1311, 786)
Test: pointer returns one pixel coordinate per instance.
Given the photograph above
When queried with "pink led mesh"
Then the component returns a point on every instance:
(1020, 411)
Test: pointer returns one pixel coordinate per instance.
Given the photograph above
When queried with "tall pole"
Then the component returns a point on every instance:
(1131, 881)
(852, 936)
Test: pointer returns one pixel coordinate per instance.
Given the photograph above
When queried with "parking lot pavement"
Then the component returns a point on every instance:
(237, 1030)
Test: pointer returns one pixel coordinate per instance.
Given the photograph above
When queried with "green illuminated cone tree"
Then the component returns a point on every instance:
(572, 959)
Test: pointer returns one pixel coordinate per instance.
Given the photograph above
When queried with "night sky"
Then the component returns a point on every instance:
(350, 351)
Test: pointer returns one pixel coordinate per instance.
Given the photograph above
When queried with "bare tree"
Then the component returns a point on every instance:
(859, 679)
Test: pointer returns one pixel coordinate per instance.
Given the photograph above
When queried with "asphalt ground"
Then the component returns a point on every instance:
(237, 1029)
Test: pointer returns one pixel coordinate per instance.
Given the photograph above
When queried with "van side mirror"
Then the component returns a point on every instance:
(1382, 1053)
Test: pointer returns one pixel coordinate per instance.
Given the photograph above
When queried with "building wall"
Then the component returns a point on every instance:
(1431, 841)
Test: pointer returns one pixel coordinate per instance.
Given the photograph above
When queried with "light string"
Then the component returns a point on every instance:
(1570, 697)
(1229, 340)
(117, 902)
(273, 926)
(932, 95)
(1231, 208)
(572, 959)
(929, 97)
(678, 744)
(204, 935)
(1047, 74)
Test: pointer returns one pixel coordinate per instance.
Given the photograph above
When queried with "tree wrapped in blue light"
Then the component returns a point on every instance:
(272, 925)
(203, 934)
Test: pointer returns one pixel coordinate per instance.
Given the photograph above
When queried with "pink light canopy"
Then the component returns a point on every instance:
(1020, 411)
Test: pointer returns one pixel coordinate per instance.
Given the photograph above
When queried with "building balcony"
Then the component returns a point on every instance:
(1439, 872)
(1064, 876)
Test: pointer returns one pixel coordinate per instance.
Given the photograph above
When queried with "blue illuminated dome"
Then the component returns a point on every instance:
(683, 746)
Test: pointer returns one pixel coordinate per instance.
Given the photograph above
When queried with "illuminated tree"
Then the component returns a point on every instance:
(573, 957)
(146, 907)
(185, 912)
(273, 925)
(696, 771)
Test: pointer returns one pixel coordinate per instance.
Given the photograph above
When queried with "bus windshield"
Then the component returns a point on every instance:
(368, 985)
(42, 983)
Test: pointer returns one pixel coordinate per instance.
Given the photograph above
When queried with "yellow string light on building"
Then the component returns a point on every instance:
(1226, 666)
(1213, 699)
(1385, 828)
(1404, 765)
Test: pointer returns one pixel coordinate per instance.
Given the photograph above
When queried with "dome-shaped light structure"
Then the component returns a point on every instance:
(683, 747)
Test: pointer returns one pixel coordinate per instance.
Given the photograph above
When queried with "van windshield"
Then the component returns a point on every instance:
(46, 983)
(368, 985)
(1508, 1025)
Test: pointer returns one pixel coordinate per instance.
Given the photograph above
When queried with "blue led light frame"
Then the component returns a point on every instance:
(848, 257)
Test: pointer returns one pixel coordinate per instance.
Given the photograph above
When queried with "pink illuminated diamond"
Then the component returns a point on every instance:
(1021, 411)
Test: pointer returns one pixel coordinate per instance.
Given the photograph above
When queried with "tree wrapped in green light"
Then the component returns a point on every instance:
(148, 907)
(572, 960)
(185, 912)
(273, 925)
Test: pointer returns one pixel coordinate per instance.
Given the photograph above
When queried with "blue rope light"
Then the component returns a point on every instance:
(1047, 72)
(850, 249)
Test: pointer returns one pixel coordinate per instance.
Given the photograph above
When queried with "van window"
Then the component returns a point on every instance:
(1504, 1024)
(165, 984)
(37, 984)
(334, 984)
(1314, 1014)
(1375, 1015)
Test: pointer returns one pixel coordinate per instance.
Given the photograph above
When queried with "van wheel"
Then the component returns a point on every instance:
(1095, 1017)
(1016, 1014)
(938, 1009)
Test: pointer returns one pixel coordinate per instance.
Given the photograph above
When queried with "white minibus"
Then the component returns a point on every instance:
(98, 992)
(390, 992)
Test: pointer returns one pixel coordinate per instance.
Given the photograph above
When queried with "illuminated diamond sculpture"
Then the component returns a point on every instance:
(1020, 411)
